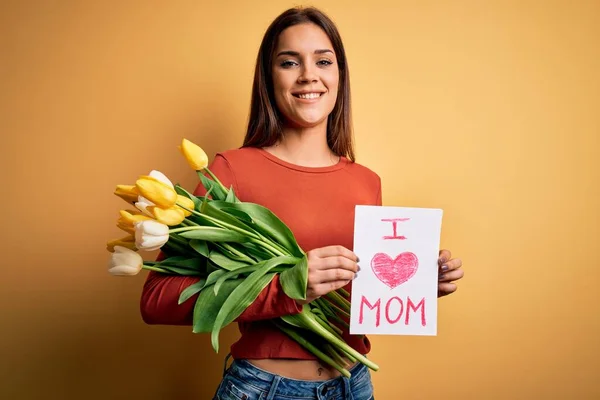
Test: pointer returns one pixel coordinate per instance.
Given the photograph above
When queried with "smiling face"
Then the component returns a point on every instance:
(305, 76)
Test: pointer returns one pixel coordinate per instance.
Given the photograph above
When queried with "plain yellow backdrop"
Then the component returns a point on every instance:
(487, 109)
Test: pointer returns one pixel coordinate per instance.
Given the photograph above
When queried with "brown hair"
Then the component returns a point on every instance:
(265, 125)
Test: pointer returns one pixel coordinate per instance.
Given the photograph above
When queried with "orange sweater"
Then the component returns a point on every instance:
(317, 204)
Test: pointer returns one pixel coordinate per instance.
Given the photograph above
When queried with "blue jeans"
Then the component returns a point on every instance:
(244, 381)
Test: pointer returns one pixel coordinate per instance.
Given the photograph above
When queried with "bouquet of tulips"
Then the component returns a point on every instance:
(235, 248)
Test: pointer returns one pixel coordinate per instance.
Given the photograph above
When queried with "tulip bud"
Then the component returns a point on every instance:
(125, 262)
(127, 241)
(156, 191)
(187, 203)
(129, 193)
(169, 216)
(195, 156)
(150, 235)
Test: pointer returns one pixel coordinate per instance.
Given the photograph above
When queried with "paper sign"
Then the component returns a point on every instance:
(395, 291)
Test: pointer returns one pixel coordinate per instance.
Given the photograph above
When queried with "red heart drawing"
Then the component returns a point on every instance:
(397, 271)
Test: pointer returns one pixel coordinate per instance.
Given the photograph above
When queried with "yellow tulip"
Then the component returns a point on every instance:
(185, 202)
(156, 191)
(127, 241)
(129, 193)
(169, 216)
(128, 218)
(195, 156)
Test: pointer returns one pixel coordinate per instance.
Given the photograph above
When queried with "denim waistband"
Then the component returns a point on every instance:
(297, 388)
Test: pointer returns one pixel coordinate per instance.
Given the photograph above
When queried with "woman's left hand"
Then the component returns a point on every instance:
(449, 272)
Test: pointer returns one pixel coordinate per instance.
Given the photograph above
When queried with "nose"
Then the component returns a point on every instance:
(308, 74)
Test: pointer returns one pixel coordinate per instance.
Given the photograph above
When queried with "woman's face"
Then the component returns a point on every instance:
(305, 75)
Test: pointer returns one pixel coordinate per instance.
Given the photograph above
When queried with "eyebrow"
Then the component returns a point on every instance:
(296, 54)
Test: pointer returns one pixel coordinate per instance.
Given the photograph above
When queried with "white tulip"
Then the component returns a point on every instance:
(150, 235)
(161, 177)
(142, 204)
(125, 262)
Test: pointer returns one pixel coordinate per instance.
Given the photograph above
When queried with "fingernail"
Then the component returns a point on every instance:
(441, 277)
(444, 268)
(358, 268)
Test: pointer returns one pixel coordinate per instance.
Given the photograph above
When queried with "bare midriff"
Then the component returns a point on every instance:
(308, 370)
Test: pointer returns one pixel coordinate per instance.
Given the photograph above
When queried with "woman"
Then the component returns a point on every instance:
(297, 160)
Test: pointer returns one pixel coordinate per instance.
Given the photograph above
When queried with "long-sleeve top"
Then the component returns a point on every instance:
(316, 203)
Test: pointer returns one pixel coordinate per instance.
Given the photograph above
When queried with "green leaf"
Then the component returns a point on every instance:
(239, 215)
(230, 196)
(215, 189)
(227, 249)
(200, 246)
(239, 271)
(180, 190)
(294, 280)
(212, 234)
(182, 271)
(191, 290)
(294, 320)
(225, 262)
(208, 305)
(256, 251)
(214, 277)
(244, 295)
(212, 211)
(195, 263)
(267, 223)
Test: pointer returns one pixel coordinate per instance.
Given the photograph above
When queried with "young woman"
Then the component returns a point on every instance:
(297, 160)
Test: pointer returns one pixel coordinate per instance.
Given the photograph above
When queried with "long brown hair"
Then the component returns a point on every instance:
(265, 125)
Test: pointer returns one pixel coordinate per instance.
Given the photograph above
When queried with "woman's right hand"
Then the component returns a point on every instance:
(329, 268)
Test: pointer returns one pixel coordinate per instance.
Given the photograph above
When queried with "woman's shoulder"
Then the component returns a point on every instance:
(361, 170)
(239, 157)
(238, 153)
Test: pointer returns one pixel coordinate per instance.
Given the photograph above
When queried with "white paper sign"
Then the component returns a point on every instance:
(395, 291)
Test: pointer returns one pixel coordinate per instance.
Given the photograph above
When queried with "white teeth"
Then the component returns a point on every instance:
(309, 95)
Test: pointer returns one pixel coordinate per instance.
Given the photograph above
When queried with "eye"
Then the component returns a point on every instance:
(325, 62)
(288, 64)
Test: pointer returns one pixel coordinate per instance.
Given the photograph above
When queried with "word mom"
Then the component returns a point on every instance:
(394, 309)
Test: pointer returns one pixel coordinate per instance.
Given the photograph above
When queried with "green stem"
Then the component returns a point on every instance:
(332, 312)
(177, 239)
(238, 253)
(226, 251)
(344, 293)
(188, 222)
(334, 330)
(349, 356)
(222, 224)
(157, 269)
(268, 246)
(274, 243)
(308, 320)
(214, 178)
(335, 355)
(313, 349)
(338, 301)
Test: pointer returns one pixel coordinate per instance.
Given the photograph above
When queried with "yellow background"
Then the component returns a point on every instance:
(487, 109)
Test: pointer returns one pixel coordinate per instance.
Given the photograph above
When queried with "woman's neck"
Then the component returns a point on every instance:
(306, 147)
